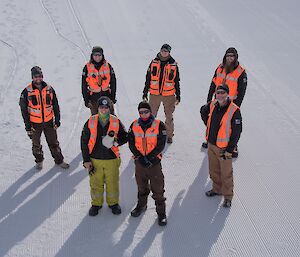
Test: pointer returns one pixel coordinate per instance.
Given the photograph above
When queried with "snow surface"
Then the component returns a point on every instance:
(45, 213)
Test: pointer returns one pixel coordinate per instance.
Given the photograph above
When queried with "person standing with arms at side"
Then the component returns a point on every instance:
(40, 111)
(223, 122)
(101, 137)
(98, 79)
(231, 73)
(162, 80)
(147, 139)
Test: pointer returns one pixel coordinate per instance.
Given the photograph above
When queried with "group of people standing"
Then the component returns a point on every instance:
(104, 133)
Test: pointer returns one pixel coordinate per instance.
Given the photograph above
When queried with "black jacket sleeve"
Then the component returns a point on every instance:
(212, 89)
(161, 142)
(236, 130)
(204, 111)
(147, 82)
(122, 135)
(177, 85)
(84, 86)
(55, 108)
(23, 102)
(131, 142)
(242, 85)
(113, 83)
(85, 137)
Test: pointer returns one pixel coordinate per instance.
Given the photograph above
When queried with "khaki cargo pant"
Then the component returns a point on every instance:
(106, 172)
(220, 172)
(169, 108)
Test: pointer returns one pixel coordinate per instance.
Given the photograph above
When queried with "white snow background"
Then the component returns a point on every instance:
(45, 213)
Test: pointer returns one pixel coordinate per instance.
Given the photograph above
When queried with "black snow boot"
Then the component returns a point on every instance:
(211, 193)
(162, 220)
(137, 211)
(94, 210)
(116, 209)
(227, 203)
(205, 145)
(169, 140)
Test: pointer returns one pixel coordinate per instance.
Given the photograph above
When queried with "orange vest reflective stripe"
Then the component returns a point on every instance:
(224, 133)
(168, 81)
(146, 141)
(98, 80)
(40, 108)
(231, 79)
(114, 125)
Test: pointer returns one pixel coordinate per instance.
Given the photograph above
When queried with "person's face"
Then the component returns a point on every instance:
(230, 58)
(164, 53)
(221, 96)
(144, 113)
(37, 79)
(103, 109)
(97, 57)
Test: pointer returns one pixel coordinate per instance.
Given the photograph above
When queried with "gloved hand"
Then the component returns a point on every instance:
(144, 161)
(30, 132)
(225, 155)
(114, 101)
(89, 167)
(177, 100)
(145, 97)
(89, 104)
(108, 140)
(56, 125)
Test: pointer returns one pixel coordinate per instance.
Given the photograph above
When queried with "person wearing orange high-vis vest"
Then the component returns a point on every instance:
(231, 73)
(40, 111)
(101, 137)
(98, 79)
(162, 81)
(223, 122)
(147, 139)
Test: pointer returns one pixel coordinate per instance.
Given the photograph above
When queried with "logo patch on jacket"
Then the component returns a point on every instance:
(237, 121)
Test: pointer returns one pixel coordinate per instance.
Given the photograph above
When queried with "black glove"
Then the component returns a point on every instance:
(30, 132)
(145, 97)
(114, 101)
(178, 98)
(144, 161)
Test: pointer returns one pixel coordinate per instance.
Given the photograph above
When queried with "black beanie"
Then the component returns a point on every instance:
(167, 47)
(145, 105)
(224, 87)
(104, 101)
(98, 50)
(232, 50)
(36, 70)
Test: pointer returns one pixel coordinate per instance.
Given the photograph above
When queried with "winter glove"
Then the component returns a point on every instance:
(145, 97)
(56, 125)
(114, 101)
(177, 100)
(108, 140)
(30, 132)
(144, 161)
(89, 167)
(225, 155)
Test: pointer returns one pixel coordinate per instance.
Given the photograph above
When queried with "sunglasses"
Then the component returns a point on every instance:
(220, 92)
(97, 54)
(144, 112)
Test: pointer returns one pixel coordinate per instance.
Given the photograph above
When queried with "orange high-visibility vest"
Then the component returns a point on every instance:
(146, 141)
(224, 133)
(231, 79)
(168, 81)
(114, 125)
(40, 107)
(98, 80)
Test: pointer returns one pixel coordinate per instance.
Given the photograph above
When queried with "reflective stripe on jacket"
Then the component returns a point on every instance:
(231, 79)
(168, 79)
(224, 132)
(98, 80)
(146, 141)
(114, 125)
(40, 107)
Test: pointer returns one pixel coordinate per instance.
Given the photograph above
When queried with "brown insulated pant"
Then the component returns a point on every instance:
(51, 138)
(151, 179)
(220, 172)
(169, 108)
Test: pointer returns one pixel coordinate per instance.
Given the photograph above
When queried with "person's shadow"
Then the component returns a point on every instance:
(106, 234)
(18, 222)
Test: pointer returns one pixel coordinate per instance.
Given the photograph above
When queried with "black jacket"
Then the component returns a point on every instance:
(161, 141)
(100, 152)
(23, 102)
(242, 86)
(162, 65)
(217, 115)
(95, 96)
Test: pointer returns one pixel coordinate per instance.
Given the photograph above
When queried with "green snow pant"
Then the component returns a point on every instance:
(106, 172)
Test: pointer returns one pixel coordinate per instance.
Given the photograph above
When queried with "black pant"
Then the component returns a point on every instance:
(151, 179)
(51, 138)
